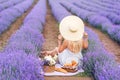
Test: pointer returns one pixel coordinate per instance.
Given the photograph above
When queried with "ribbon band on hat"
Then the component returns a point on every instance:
(72, 29)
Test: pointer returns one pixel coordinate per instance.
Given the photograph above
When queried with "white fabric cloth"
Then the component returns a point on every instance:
(55, 73)
(67, 56)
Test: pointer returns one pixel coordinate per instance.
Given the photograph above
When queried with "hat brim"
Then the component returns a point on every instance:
(71, 21)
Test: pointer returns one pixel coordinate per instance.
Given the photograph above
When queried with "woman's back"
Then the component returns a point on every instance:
(71, 52)
(75, 46)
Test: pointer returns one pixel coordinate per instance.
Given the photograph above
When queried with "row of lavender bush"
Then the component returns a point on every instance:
(96, 20)
(9, 3)
(107, 4)
(97, 61)
(56, 8)
(38, 17)
(111, 14)
(9, 15)
(19, 60)
(2, 1)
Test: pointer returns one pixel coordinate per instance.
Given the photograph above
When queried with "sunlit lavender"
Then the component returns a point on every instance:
(20, 66)
(9, 15)
(24, 46)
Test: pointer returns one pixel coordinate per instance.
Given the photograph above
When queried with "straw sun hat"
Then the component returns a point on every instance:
(72, 28)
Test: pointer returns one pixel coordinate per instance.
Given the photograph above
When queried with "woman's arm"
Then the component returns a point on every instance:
(61, 45)
(85, 40)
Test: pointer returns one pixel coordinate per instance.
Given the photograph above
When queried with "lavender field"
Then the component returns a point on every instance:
(37, 24)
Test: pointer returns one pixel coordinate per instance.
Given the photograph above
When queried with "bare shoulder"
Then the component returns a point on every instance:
(65, 42)
(63, 46)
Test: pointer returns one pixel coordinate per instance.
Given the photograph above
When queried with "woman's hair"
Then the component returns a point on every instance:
(75, 46)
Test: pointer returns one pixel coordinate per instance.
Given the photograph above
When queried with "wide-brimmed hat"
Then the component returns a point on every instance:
(72, 28)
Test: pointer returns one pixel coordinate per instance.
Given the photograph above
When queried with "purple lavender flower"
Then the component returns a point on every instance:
(31, 41)
(38, 13)
(20, 66)
(8, 15)
(7, 4)
(97, 61)
(34, 24)
(19, 60)
(2, 1)
(60, 12)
